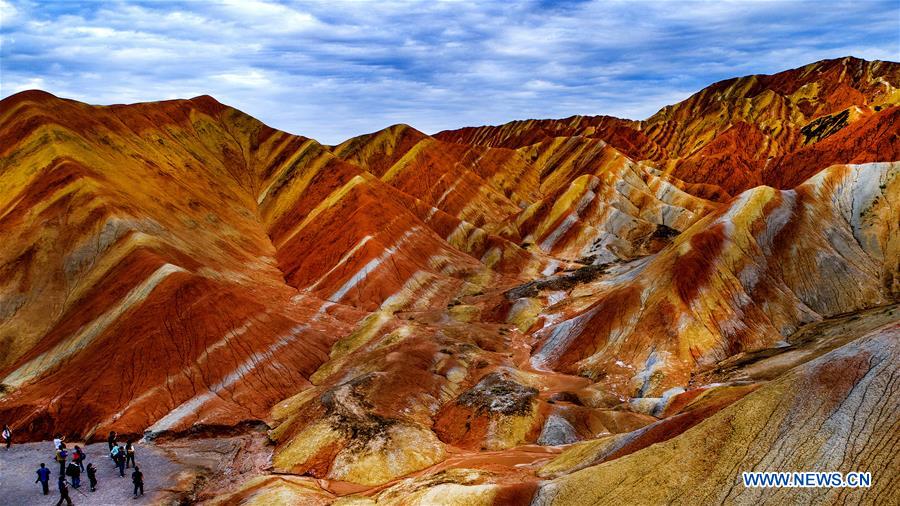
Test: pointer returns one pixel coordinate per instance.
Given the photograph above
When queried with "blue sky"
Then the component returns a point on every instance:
(331, 70)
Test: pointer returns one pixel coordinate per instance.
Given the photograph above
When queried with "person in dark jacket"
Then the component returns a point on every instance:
(63, 492)
(74, 472)
(111, 439)
(129, 454)
(137, 477)
(120, 461)
(92, 476)
(43, 478)
(7, 436)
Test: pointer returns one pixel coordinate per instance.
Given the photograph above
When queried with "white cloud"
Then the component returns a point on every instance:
(541, 85)
(248, 78)
(269, 16)
(330, 70)
(8, 13)
(34, 83)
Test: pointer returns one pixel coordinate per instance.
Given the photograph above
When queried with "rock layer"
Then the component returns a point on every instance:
(832, 414)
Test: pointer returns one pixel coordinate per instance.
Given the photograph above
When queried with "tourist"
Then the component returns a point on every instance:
(129, 454)
(43, 478)
(120, 461)
(114, 455)
(111, 439)
(74, 472)
(61, 455)
(92, 476)
(63, 492)
(78, 457)
(137, 477)
(7, 436)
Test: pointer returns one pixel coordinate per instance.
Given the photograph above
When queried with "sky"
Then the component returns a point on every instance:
(332, 70)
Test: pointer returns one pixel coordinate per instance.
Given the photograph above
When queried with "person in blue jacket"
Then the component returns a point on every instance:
(43, 478)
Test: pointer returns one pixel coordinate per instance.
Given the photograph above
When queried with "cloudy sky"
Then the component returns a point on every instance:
(330, 70)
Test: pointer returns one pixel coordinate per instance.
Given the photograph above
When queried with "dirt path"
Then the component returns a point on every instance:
(18, 466)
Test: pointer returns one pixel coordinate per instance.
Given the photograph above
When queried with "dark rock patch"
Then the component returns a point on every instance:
(822, 127)
(566, 281)
(496, 393)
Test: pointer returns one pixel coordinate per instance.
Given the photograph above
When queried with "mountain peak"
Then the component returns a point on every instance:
(33, 95)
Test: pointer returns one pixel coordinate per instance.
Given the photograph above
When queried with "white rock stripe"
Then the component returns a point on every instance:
(561, 336)
(329, 201)
(40, 364)
(192, 405)
(547, 244)
(550, 268)
(171, 378)
(431, 213)
(447, 192)
(370, 266)
(341, 262)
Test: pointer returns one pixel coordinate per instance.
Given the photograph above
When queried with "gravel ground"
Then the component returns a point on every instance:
(18, 466)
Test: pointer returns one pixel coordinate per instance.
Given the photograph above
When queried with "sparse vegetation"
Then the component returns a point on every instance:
(581, 275)
(825, 126)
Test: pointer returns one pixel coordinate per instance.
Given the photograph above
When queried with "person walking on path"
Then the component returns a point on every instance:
(58, 441)
(137, 477)
(129, 454)
(120, 460)
(63, 492)
(74, 472)
(92, 476)
(43, 478)
(7, 436)
(111, 439)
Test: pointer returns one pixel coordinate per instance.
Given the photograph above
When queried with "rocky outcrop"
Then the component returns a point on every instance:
(738, 280)
(497, 413)
(835, 413)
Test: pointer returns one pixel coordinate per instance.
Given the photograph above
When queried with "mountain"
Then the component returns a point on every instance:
(775, 130)
(533, 312)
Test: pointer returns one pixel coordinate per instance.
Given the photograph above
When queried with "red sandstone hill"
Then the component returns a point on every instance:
(476, 310)
(775, 130)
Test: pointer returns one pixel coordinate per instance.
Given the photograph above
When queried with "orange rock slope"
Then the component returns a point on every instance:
(490, 315)
(774, 130)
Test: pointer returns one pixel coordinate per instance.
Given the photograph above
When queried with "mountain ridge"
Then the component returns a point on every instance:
(658, 140)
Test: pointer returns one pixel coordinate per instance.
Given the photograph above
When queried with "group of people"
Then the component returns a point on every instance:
(123, 458)
(71, 464)
(75, 467)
